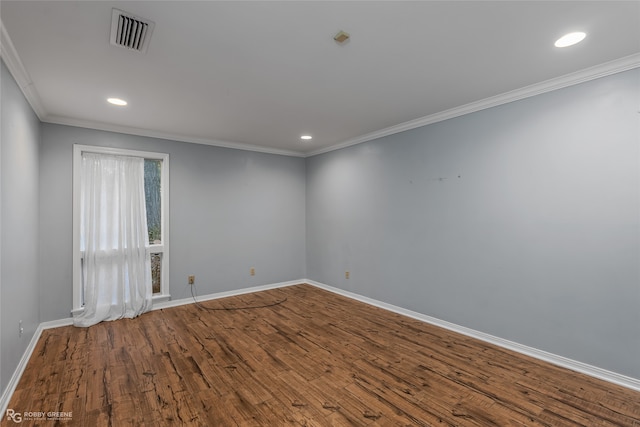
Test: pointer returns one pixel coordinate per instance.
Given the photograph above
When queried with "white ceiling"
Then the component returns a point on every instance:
(260, 74)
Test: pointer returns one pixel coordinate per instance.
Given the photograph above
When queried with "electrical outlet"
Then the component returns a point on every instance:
(20, 328)
(192, 280)
(346, 274)
(252, 271)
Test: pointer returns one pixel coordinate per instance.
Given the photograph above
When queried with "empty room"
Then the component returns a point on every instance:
(320, 213)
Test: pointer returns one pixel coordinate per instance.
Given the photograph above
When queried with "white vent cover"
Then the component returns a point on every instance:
(130, 31)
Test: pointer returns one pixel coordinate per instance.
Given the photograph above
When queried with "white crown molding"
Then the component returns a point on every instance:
(19, 72)
(10, 56)
(592, 73)
(89, 124)
(574, 365)
(608, 68)
(17, 69)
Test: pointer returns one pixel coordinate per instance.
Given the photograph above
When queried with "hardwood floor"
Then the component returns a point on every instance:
(317, 359)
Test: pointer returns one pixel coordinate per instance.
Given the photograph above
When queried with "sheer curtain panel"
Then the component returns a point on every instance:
(116, 266)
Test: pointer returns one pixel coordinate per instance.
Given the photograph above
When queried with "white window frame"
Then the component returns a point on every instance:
(78, 306)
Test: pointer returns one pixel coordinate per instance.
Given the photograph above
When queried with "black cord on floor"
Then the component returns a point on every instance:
(197, 303)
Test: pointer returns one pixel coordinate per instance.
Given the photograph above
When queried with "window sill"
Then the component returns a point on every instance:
(160, 298)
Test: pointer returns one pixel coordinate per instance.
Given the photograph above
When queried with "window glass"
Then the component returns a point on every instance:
(156, 272)
(152, 179)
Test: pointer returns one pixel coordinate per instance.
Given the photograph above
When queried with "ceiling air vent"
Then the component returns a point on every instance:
(130, 31)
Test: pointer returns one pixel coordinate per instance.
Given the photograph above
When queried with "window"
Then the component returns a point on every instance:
(156, 179)
(153, 199)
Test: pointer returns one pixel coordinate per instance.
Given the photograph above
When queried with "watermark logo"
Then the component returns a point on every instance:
(14, 416)
(18, 417)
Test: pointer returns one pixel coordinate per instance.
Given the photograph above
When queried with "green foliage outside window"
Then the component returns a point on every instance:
(152, 175)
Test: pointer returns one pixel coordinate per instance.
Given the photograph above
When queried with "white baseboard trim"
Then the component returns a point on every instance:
(17, 374)
(57, 323)
(564, 362)
(224, 294)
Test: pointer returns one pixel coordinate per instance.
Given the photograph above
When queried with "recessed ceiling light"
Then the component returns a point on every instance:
(570, 39)
(306, 137)
(117, 101)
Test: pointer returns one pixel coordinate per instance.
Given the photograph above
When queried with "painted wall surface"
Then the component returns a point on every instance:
(521, 221)
(230, 210)
(19, 144)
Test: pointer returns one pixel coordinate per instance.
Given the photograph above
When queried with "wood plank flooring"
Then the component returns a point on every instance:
(317, 359)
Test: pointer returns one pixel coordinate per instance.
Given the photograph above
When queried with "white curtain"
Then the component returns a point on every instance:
(116, 265)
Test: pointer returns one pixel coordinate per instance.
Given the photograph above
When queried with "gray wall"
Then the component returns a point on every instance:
(19, 144)
(532, 235)
(230, 210)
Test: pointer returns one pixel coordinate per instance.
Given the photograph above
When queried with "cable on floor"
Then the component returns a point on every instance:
(197, 303)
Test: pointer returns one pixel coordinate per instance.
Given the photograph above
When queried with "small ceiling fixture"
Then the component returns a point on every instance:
(342, 37)
(306, 137)
(117, 101)
(570, 39)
